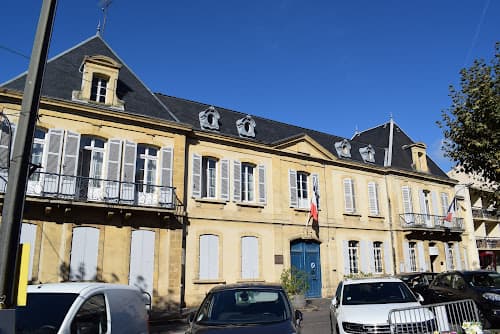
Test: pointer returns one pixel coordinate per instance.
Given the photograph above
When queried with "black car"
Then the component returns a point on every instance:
(418, 282)
(245, 308)
(481, 286)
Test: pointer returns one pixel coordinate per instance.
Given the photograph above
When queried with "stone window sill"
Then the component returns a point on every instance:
(209, 281)
(250, 204)
(352, 214)
(210, 200)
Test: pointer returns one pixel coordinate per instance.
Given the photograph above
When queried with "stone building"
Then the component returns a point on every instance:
(176, 196)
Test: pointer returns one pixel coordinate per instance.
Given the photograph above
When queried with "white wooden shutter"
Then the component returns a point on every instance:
(371, 257)
(435, 204)
(113, 162)
(422, 264)
(209, 256)
(345, 251)
(236, 181)
(349, 195)
(364, 250)
(466, 262)
(447, 256)
(458, 260)
(373, 198)
(142, 255)
(407, 205)
(423, 207)
(444, 203)
(224, 180)
(166, 191)
(70, 163)
(292, 177)
(6, 144)
(84, 250)
(249, 257)
(52, 161)
(262, 184)
(196, 176)
(315, 180)
(128, 171)
(406, 254)
(28, 236)
(388, 257)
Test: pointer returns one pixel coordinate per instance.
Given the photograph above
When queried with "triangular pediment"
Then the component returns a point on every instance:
(305, 145)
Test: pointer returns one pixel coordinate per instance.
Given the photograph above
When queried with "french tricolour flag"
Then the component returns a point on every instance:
(451, 210)
(315, 201)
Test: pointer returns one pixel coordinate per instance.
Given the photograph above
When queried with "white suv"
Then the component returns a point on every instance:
(363, 305)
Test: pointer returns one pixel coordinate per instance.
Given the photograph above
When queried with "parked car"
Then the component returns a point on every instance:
(363, 305)
(481, 286)
(83, 308)
(418, 282)
(246, 308)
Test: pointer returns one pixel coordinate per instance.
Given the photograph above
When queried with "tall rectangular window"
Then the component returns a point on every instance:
(247, 182)
(412, 252)
(209, 257)
(145, 168)
(373, 199)
(350, 205)
(377, 257)
(37, 152)
(249, 257)
(209, 176)
(302, 196)
(353, 257)
(444, 203)
(98, 89)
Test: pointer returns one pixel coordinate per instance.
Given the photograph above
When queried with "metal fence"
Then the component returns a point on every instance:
(441, 318)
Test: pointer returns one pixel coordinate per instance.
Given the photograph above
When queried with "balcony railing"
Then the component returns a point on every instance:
(86, 189)
(433, 222)
(485, 214)
(488, 243)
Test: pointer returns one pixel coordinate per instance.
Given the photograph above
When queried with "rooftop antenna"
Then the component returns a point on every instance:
(104, 4)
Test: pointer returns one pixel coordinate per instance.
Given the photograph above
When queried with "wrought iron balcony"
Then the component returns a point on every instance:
(488, 243)
(85, 189)
(480, 213)
(431, 222)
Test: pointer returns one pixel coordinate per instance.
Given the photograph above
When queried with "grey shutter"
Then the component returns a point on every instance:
(262, 184)
(421, 257)
(373, 198)
(6, 144)
(364, 250)
(466, 263)
(345, 252)
(423, 207)
(458, 260)
(371, 257)
(84, 250)
(53, 160)
(237, 181)
(70, 163)
(128, 171)
(348, 196)
(407, 205)
(444, 204)
(209, 257)
(292, 176)
(224, 180)
(166, 191)
(447, 256)
(196, 176)
(28, 236)
(249, 257)
(142, 254)
(113, 158)
(435, 204)
(406, 254)
(388, 257)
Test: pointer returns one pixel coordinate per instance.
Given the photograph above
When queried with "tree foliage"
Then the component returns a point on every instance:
(471, 125)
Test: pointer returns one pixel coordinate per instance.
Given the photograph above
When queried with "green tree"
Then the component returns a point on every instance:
(471, 125)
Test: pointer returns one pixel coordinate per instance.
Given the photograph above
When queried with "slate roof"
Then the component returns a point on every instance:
(62, 76)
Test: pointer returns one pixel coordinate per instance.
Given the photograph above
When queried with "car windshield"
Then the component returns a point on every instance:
(243, 307)
(485, 280)
(377, 293)
(43, 311)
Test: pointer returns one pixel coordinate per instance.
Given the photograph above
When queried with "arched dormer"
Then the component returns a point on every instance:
(246, 126)
(99, 82)
(343, 148)
(209, 118)
(367, 153)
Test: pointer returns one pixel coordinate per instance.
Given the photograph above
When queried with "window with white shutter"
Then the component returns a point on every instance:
(209, 257)
(302, 190)
(70, 163)
(53, 160)
(292, 177)
(166, 190)
(444, 204)
(349, 196)
(196, 176)
(249, 257)
(84, 250)
(262, 184)
(407, 205)
(224, 180)
(142, 255)
(236, 181)
(113, 168)
(373, 199)
(128, 171)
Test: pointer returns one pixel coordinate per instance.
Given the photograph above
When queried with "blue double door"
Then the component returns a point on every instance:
(305, 256)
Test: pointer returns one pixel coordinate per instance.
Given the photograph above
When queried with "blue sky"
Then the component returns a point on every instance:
(334, 66)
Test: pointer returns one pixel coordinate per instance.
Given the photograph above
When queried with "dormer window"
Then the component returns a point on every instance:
(367, 153)
(98, 89)
(343, 148)
(246, 127)
(99, 82)
(209, 119)
(419, 157)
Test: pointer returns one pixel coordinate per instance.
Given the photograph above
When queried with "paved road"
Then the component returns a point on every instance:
(316, 320)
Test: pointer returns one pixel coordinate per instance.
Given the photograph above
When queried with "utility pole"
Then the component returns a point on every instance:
(13, 206)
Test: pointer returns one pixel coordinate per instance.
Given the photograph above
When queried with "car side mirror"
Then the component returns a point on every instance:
(298, 318)
(335, 302)
(190, 317)
(420, 298)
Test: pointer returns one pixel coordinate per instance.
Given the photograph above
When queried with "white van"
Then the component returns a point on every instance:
(83, 308)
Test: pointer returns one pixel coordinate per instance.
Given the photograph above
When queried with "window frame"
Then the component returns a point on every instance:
(97, 88)
(247, 182)
(149, 175)
(412, 256)
(378, 264)
(353, 251)
(302, 190)
(208, 175)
